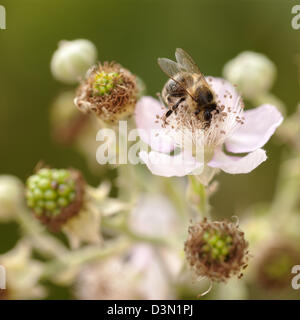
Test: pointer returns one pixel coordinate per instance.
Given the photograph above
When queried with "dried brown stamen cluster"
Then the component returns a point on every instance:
(216, 250)
(109, 90)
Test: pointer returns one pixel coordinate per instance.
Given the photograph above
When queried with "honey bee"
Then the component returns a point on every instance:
(187, 86)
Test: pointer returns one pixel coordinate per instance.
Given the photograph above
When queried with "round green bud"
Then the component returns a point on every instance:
(252, 72)
(49, 191)
(72, 59)
(11, 196)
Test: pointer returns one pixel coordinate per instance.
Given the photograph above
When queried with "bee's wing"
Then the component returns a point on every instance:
(186, 63)
(169, 67)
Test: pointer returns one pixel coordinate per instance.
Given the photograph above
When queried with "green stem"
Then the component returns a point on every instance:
(125, 230)
(47, 245)
(198, 196)
(85, 255)
(176, 197)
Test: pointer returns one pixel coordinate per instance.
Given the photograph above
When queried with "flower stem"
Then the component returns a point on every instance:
(47, 245)
(125, 230)
(85, 255)
(176, 197)
(197, 195)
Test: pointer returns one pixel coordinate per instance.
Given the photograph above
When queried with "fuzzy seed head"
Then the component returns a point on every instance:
(109, 91)
(216, 250)
(55, 195)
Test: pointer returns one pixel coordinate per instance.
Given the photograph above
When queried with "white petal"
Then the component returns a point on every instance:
(235, 165)
(259, 125)
(169, 166)
(147, 112)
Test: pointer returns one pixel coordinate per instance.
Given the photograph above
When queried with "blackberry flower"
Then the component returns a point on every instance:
(55, 195)
(110, 91)
(216, 250)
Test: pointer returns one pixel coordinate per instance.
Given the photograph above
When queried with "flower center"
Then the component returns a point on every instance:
(105, 82)
(49, 191)
(216, 246)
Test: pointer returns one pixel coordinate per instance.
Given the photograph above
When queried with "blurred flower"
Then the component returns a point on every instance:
(72, 59)
(109, 90)
(216, 250)
(113, 279)
(252, 72)
(67, 121)
(22, 273)
(154, 216)
(138, 274)
(11, 197)
(241, 132)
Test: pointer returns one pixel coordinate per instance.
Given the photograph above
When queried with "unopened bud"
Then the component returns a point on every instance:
(72, 59)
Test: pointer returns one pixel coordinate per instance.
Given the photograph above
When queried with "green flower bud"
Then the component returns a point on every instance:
(55, 195)
(216, 250)
(11, 196)
(72, 59)
(252, 72)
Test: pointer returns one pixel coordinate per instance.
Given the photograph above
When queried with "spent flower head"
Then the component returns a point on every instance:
(216, 250)
(274, 265)
(109, 90)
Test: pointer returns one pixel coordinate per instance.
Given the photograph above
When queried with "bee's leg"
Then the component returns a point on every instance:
(168, 113)
(174, 107)
(177, 104)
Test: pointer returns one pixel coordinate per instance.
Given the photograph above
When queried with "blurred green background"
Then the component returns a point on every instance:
(135, 33)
